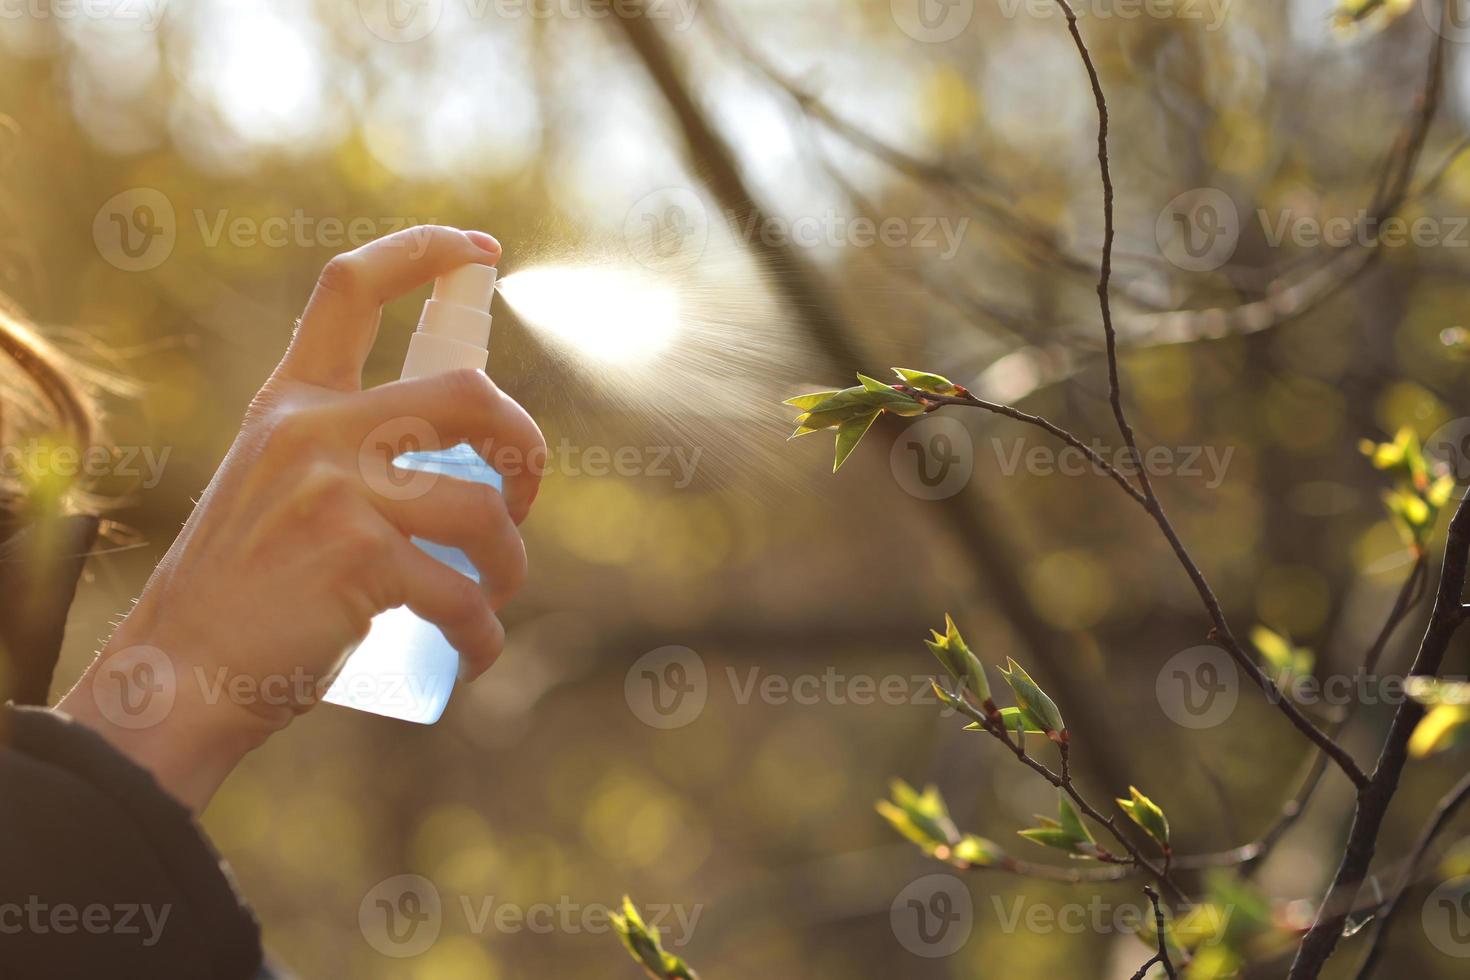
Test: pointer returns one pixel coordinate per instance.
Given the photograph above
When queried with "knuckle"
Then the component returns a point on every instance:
(490, 504)
(516, 573)
(467, 600)
(474, 387)
(342, 274)
(496, 636)
(324, 486)
(361, 544)
(288, 431)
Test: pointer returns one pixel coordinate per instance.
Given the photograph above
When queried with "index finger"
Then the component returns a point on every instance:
(341, 320)
(440, 411)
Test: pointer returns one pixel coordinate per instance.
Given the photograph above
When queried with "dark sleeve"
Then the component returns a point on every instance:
(102, 872)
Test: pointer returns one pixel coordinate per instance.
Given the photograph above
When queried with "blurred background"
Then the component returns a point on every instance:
(708, 207)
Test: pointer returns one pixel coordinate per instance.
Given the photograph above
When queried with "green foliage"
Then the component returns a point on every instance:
(924, 819)
(954, 654)
(924, 381)
(1018, 721)
(1447, 723)
(1419, 495)
(1352, 16)
(1148, 815)
(852, 411)
(1284, 659)
(1232, 925)
(1039, 708)
(642, 942)
(1066, 833)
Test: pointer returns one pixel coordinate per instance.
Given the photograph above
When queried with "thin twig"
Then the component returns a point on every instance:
(1063, 781)
(1151, 503)
(1162, 956)
(1251, 856)
(970, 401)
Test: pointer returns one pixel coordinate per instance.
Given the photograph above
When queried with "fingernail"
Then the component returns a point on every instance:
(484, 242)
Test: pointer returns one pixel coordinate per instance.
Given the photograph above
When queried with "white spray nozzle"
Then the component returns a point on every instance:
(454, 331)
(469, 285)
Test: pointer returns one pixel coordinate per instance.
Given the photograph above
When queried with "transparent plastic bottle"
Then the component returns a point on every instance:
(405, 668)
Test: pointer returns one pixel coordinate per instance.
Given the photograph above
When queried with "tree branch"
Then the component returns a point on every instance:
(1451, 802)
(1374, 799)
(1162, 956)
(1152, 504)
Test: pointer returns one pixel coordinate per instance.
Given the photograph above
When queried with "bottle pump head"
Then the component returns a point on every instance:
(454, 331)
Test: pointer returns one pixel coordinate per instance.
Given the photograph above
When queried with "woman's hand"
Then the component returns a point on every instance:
(291, 550)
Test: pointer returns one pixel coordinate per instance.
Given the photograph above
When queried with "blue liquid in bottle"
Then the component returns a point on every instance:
(405, 668)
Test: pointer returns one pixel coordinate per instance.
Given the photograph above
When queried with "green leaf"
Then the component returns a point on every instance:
(642, 943)
(934, 384)
(979, 852)
(808, 402)
(1445, 726)
(1432, 691)
(921, 817)
(831, 418)
(956, 657)
(1068, 833)
(1283, 657)
(944, 696)
(1148, 815)
(873, 384)
(1071, 820)
(1352, 16)
(1440, 491)
(1030, 696)
(1053, 837)
(847, 398)
(1017, 721)
(849, 434)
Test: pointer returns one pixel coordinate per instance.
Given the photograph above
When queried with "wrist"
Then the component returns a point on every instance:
(150, 707)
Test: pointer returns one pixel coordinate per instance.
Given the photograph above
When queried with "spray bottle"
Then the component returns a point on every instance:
(405, 668)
